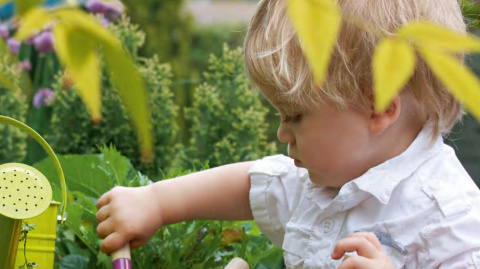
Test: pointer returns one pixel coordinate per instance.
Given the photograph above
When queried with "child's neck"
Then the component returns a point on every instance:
(395, 140)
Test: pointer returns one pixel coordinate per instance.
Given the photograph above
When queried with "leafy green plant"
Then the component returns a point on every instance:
(196, 244)
(12, 103)
(71, 131)
(228, 117)
(78, 39)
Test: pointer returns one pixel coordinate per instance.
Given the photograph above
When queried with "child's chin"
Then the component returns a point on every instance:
(323, 182)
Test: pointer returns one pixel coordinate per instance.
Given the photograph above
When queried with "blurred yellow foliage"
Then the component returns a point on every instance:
(394, 60)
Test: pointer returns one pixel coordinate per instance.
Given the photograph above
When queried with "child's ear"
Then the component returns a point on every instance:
(379, 122)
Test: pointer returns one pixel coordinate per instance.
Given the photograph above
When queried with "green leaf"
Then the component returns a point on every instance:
(81, 174)
(115, 165)
(393, 64)
(77, 52)
(427, 34)
(74, 248)
(460, 81)
(32, 23)
(86, 173)
(317, 23)
(81, 220)
(74, 262)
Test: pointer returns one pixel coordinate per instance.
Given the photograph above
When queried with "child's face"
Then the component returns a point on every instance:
(332, 144)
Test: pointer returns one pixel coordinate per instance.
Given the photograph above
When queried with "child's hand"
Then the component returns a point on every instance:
(127, 215)
(368, 248)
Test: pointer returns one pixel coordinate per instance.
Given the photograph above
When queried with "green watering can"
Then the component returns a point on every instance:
(26, 194)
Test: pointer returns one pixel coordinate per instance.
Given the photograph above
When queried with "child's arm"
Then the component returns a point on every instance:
(133, 215)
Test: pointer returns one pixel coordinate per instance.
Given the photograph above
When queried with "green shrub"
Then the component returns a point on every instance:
(208, 40)
(71, 130)
(228, 118)
(194, 244)
(12, 104)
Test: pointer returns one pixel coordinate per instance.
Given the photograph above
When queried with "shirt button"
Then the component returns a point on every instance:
(327, 225)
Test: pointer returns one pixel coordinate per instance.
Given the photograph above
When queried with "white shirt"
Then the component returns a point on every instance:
(423, 199)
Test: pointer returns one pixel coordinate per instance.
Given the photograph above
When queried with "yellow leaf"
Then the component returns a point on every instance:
(23, 6)
(80, 20)
(231, 235)
(427, 34)
(129, 84)
(77, 52)
(393, 64)
(459, 80)
(123, 72)
(317, 23)
(32, 23)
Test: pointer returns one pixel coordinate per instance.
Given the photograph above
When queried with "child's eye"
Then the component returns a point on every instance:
(290, 118)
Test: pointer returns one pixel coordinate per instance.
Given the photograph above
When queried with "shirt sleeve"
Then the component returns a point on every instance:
(276, 187)
(453, 241)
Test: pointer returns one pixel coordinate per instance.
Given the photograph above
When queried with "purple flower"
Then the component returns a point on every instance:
(25, 65)
(4, 31)
(43, 97)
(43, 42)
(96, 6)
(112, 10)
(13, 45)
(104, 21)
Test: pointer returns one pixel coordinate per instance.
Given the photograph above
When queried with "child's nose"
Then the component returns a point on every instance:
(284, 135)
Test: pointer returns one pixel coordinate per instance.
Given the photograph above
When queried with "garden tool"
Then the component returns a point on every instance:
(25, 193)
(121, 258)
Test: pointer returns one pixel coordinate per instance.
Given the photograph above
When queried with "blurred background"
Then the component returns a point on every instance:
(204, 114)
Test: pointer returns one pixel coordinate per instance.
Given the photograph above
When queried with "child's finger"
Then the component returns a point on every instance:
(357, 262)
(361, 245)
(102, 213)
(103, 200)
(112, 242)
(370, 237)
(138, 243)
(104, 229)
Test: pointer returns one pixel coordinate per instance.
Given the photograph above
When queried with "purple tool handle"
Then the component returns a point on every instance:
(122, 263)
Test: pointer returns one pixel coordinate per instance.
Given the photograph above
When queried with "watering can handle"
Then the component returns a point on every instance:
(121, 258)
(22, 126)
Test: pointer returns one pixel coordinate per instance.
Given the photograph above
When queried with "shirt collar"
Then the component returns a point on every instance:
(381, 180)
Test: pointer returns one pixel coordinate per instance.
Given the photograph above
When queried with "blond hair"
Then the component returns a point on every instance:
(273, 56)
